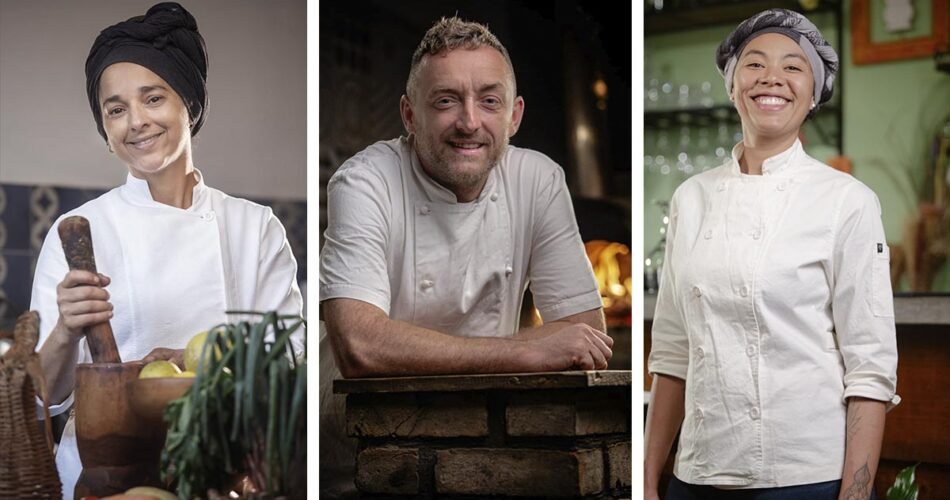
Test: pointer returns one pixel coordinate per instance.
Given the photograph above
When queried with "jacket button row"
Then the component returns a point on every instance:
(744, 291)
(754, 413)
(751, 350)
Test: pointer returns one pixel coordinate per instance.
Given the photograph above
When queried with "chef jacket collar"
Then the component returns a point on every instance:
(136, 192)
(437, 192)
(775, 165)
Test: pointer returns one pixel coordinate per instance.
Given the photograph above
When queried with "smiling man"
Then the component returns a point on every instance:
(433, 238)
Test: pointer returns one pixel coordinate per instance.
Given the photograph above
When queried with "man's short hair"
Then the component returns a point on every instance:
(451, 33)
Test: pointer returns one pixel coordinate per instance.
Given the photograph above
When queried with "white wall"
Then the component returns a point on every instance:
(253, 142)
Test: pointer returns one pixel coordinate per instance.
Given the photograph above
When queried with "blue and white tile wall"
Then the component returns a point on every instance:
(27, 212)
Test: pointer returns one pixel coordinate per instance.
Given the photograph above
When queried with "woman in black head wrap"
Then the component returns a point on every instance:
(773, 346)
(173, 253)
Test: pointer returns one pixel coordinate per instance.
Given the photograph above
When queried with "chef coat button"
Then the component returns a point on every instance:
(744, 291)
(508, 271)
(493, 197)
(424, 210)
(697, 292)
(754, 413)
(751, 350)
(426, 284)
(207, 216)
(698, 413)
(707, 234)
(700, 352)
(781, 186)
(722, 186)
(757, 234)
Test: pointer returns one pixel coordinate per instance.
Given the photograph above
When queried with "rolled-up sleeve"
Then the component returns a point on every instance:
(669, 351)
(353, 259)
(863, 304)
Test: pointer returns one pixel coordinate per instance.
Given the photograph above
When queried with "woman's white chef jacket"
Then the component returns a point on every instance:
(400, 241)
(775, 306)
(174, 273)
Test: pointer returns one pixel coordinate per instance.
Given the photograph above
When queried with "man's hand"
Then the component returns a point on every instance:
(576, 346)
(176, 356)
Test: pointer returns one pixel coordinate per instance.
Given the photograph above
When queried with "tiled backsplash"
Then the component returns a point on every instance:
(27, 212)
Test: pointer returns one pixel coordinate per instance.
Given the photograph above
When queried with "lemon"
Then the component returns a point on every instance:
(152, 492)
(185, 374)
(161, 368)
(193, 351)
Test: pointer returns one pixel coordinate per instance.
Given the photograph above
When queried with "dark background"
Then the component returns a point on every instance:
(558, 48)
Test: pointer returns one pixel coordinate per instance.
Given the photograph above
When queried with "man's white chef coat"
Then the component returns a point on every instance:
(775, 306)
(174, 273)
(400, 241)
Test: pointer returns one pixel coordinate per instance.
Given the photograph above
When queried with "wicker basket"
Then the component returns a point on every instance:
(27, 469)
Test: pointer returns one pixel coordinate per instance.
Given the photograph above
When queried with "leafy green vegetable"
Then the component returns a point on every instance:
(244, 415)
(905, 485)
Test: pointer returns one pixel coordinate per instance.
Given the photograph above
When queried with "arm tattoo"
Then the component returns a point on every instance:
(861, 486)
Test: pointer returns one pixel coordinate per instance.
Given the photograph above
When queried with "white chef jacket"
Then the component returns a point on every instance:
(402, 242)
(775, 306)
(174, 273)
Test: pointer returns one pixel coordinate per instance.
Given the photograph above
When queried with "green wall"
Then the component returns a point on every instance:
(891, 113)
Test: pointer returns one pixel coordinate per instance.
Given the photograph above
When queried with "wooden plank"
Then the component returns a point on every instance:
(917, 429)
(501, 381)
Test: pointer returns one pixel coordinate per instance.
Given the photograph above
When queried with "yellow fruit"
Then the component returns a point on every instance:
(186, 374)
(152, 492)
(161, 368)
(193, 351)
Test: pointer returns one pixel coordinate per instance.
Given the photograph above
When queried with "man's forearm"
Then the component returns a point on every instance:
(594, 318)
(366, 343)
(865, 431)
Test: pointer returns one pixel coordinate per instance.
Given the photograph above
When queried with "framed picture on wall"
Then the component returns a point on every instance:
(891, 30)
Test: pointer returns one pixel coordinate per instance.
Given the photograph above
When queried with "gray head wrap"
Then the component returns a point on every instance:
(820, 55)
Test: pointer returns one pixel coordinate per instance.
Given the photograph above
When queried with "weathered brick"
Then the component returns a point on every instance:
(519, 472)
(417, 415)
(567, 413)
(618, 465)
(388, 470)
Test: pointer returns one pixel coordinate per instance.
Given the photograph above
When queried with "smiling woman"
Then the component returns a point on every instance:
(775, 304)
(173, 254)
(146, 123)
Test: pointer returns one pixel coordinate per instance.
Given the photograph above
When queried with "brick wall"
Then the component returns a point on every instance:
(537, 435)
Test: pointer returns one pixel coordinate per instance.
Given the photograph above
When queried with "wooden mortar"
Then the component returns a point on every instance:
(119, 450)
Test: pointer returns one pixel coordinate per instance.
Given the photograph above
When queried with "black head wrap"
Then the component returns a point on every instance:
(166, 41)
(821, 56)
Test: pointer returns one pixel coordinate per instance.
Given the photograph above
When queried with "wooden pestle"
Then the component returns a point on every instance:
(77, 245)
